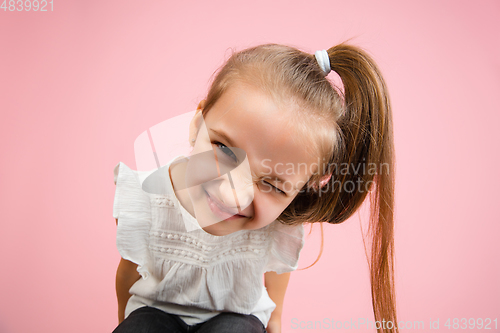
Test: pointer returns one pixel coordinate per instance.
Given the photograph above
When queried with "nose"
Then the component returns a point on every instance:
(237, 188)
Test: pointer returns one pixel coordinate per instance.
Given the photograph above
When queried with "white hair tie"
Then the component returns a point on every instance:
(323, 61)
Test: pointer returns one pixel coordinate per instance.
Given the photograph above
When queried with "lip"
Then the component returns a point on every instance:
(220, 210)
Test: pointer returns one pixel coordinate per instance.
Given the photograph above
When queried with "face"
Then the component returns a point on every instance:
(248, 133)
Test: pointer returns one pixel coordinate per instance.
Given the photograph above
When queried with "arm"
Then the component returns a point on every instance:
(126, 276)
(276, 285)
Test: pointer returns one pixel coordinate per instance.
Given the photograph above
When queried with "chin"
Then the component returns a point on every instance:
(216, 230)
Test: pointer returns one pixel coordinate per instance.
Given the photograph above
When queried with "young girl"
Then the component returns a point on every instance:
(286, 147)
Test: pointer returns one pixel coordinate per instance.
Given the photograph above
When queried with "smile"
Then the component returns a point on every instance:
(220, 210)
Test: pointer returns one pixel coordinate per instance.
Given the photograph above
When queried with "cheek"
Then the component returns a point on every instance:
(201, 169)
(268, 209)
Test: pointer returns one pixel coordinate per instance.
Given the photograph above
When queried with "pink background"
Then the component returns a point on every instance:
(79, 84)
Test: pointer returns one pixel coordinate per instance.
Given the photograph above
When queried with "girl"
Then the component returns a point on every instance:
(288, 148)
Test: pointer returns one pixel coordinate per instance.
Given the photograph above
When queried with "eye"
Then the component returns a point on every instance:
(226, 151)
(275, 188)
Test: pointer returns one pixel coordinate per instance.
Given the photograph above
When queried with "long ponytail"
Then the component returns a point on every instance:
(367, 139)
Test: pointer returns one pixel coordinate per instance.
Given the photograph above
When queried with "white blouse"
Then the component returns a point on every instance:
(189, 272)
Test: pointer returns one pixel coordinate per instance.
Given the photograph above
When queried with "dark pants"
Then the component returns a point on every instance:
(151, 320)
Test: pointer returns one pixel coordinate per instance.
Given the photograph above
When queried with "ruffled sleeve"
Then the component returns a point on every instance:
(132, 209)
(287, 242)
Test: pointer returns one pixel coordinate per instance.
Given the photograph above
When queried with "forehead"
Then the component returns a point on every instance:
(271, 134)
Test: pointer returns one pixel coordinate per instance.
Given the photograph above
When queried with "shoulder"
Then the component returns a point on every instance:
(287, 242)
(287, 231)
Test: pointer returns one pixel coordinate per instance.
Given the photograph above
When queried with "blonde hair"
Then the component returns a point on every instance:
(356, 133)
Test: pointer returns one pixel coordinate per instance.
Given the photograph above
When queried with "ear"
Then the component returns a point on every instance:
(322, 182)
(195, 124)
(201, 105)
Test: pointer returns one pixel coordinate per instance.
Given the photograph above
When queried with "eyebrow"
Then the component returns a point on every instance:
(228, 140)
(224, 136)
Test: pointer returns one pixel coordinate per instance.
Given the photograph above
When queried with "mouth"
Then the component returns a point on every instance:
(220, 210)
